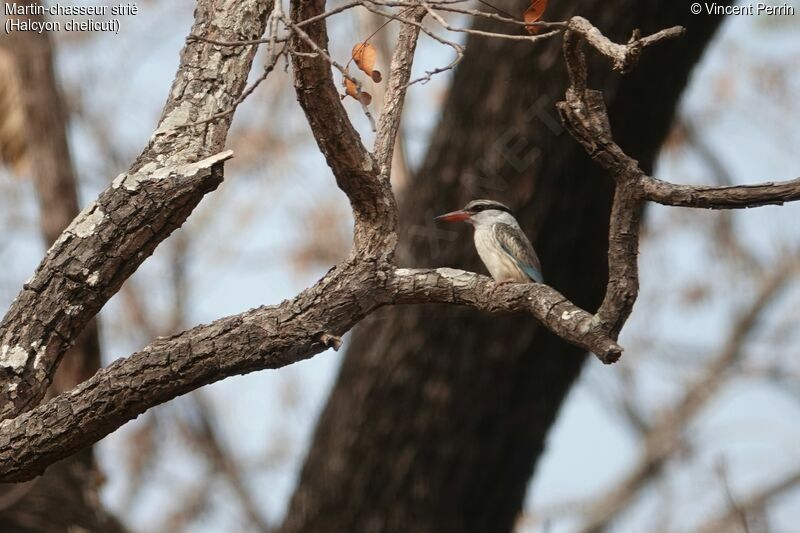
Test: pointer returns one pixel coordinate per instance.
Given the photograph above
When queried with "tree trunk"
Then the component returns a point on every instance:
(439, 414)
(65, 497)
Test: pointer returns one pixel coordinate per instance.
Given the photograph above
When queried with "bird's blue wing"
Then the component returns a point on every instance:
(517, 245)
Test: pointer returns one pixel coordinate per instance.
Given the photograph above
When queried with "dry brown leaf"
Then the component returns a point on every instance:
(365, 98)
(351, 90)
(365, 54)
(533, 14)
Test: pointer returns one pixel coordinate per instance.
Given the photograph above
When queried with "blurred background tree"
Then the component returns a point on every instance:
(439, 416)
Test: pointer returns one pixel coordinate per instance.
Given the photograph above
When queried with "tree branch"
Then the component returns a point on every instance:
(107, 242)
(553, 310)
(727, 197)
(67, 496)
(267, 337)
(584, 114)
(355, 170)
(623, 56)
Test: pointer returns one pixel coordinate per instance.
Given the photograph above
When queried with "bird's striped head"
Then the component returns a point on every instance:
(478, 211)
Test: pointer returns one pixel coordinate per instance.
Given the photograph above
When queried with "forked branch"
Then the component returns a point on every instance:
(109, 240)
(585, 116)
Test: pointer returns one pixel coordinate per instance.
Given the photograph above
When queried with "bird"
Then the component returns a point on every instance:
(503, 247)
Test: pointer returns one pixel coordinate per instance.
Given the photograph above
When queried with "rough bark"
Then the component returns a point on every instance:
(67, 497)
(271, 337)
(267, 337)
(112, 236)
(730, 197)
(438, 416)
(354, 167)
(50, 165)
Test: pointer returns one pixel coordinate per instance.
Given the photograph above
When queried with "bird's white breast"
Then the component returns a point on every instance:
(497, 261)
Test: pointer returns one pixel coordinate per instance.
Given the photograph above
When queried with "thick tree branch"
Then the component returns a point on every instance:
(355, 170)
(67, 496)
(47, 153)
(114, 234)
(585, 116)
(554, 311)
(107, 242)
(267, 337)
